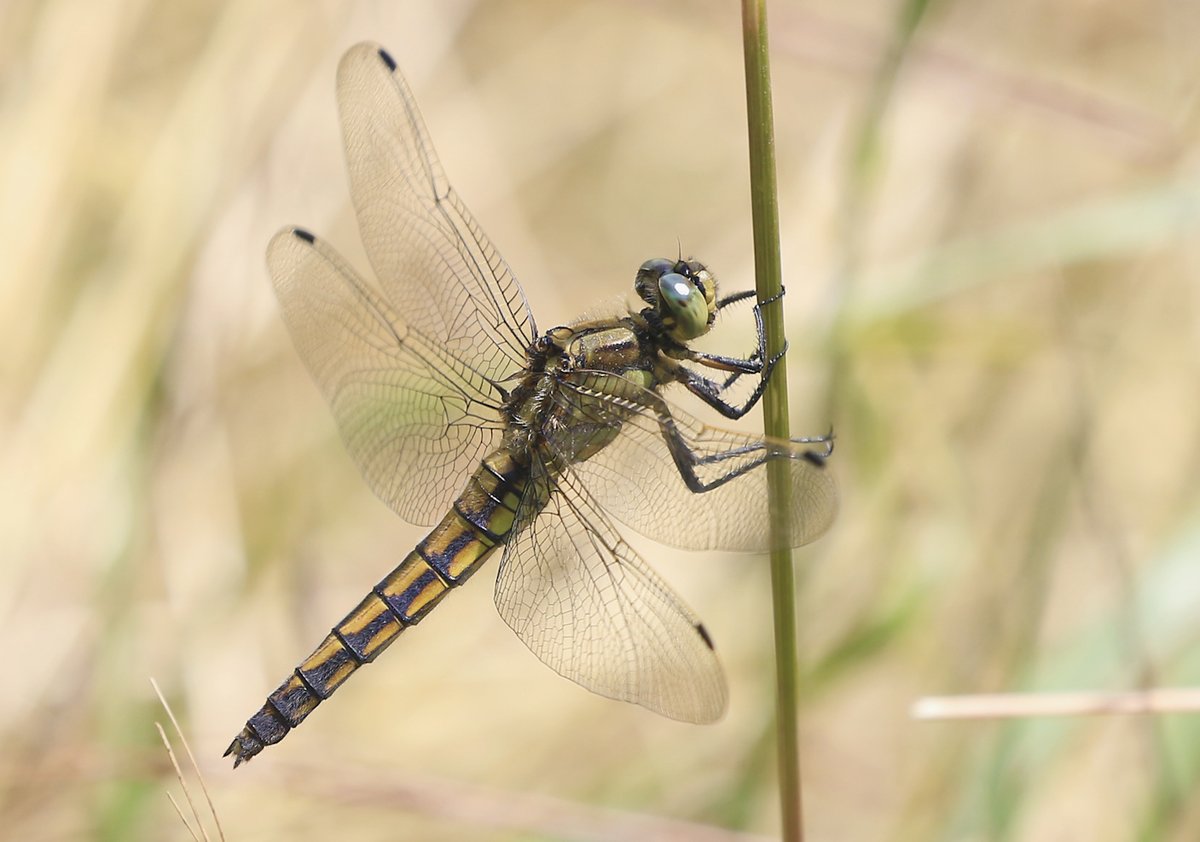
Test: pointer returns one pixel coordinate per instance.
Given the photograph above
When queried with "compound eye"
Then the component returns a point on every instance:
(657, 267)
(684, 301)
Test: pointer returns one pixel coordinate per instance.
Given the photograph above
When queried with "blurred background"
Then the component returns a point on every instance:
(989, 237)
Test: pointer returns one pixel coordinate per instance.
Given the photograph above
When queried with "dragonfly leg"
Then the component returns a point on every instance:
(710, 391)
(687, 460)
(734, 298)
(742, 295)
(732, 378)
(610, 400)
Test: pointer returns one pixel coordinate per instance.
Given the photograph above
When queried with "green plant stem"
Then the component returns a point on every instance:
(768, 283)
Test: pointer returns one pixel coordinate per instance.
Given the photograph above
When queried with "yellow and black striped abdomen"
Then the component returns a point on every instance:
(479, 521)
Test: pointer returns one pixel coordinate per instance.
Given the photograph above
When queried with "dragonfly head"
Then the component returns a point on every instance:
(682, 293)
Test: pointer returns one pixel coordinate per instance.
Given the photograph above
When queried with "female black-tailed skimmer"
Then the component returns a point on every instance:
(439, 378)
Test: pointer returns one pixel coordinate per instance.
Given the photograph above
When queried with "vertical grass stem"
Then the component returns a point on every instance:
(768, 283)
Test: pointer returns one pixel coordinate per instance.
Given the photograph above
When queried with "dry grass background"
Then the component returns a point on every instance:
(990, 249)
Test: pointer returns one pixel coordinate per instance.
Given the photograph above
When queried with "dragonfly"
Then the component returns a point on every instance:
(462, 416)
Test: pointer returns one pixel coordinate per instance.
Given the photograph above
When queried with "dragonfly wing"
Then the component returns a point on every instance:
(588, 605)
(637, 478)
(415, 419)
(432, 258)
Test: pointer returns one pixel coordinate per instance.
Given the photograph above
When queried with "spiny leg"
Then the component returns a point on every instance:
(710, 391)
(686, 458)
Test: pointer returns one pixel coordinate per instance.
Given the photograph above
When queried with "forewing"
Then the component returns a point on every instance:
(637, 477)
(435, 263)
(415, 418)
(586, 604)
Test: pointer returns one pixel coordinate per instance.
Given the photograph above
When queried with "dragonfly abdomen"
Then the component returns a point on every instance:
(479, 521)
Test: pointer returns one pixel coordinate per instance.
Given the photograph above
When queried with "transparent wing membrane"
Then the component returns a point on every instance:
(588, 606)
(640, 477)
(436, 265)
(415, 419)
(410, 373)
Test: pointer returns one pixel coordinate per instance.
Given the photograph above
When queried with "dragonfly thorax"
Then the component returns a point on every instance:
(682, 295)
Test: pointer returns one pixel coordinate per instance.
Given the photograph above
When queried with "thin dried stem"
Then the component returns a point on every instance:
(1020, 705)
(174, 803)
(191, 759)
(187, 793)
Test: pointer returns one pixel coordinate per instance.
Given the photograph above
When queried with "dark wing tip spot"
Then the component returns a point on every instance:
(704, 634)
(387, 59)
(814, 458)
(304, 235)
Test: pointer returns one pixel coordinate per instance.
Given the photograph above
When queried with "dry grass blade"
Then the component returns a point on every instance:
(1020, 705)
(183, 783)
(179, 775)
(179, 772)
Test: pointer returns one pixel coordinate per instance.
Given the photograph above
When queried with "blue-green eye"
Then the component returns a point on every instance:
(686, 303)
